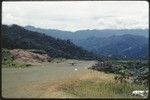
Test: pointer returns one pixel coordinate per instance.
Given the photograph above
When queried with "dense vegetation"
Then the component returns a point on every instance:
(138, 70)
(16, 37)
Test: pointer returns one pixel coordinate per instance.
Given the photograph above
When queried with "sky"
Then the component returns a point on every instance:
(77, 15)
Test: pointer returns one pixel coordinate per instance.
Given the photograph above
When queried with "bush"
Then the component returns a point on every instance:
(28, 65)
(138, 70)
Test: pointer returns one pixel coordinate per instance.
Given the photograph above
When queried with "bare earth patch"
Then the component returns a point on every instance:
(34, 57)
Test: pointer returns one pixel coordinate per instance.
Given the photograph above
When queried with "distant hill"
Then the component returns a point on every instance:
(84, 34)
(16, 37)
(125, 46)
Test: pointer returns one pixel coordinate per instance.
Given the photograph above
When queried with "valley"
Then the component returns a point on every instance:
(36, 65)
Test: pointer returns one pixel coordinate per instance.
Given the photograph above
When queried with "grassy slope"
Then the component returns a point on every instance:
(91, 84)
(102, 86)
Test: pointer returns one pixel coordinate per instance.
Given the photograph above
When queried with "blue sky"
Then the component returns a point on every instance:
(77, 15)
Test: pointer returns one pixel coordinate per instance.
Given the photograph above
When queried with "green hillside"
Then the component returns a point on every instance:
(16, 37)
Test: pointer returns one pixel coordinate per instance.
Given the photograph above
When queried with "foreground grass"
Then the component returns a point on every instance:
(99, 87)
(88, 88)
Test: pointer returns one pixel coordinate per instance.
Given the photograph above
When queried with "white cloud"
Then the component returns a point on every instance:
(77, 15)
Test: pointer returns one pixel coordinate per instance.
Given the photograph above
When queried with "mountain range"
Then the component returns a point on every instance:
(120, 44)
(84, 34)
(16, 37)
(125, 46)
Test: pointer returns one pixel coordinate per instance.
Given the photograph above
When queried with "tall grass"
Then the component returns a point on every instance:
(95, 88)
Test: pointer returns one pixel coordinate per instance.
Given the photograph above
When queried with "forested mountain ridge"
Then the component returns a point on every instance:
(125, 46)
(16, 37)
(122, 44)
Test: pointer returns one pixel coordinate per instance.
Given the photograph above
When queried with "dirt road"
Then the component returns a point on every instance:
(34, 82)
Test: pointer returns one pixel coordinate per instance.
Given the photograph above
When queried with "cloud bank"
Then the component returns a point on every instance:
(77, 15)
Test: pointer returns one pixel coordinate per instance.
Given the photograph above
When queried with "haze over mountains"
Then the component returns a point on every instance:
(84, 34)
(124, 44)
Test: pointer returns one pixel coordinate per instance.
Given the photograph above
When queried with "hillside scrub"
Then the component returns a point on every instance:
(8, 60)
(23, 57)
(30, 56)
(136, 70)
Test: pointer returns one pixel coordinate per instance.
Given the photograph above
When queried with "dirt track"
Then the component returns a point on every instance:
(35, 82)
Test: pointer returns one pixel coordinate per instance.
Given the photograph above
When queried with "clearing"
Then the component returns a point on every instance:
(60, 79)
(24, 82)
